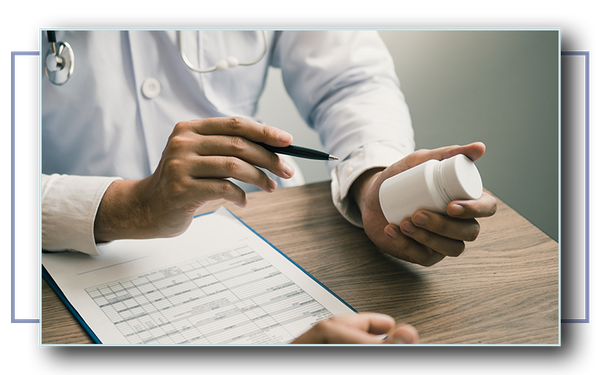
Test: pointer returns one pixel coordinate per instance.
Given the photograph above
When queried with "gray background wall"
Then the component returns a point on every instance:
(498, 87)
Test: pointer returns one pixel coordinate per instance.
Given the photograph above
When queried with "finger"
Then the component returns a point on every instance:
(404, 334)
(402, 246)
(348, 329)
(369, 322)
(433, 241)
(245, 150)
(473, 151)
(458, 229)
(220, 167)
(249, 129)
(209, 190)
(482, 207)
(328, 333)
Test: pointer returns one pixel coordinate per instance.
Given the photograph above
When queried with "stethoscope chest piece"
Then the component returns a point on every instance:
(59, 63)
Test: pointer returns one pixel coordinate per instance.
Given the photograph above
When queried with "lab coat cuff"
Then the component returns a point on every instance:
(372, 155)
(69, 207)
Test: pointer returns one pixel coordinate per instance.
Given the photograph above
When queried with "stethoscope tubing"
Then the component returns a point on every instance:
(58, 48)
(215, 67)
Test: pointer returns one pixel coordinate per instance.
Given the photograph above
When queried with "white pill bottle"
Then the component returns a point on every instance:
(430, 186)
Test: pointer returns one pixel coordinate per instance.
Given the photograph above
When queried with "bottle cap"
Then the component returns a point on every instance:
(460, 178)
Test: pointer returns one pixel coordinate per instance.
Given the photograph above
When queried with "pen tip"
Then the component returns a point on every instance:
(331, 157)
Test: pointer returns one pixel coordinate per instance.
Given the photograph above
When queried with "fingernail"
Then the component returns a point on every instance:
(402, 337)
(284, 137)
(287, 169)
(392, 231)
(272, 184)
(405, 334)
(456, 209)
(399, 340)
(421, 219)
(408, 227)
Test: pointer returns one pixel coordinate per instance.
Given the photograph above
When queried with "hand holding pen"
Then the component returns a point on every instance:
(195, 167)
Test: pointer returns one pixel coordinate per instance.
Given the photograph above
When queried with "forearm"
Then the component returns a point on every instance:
(122, 214)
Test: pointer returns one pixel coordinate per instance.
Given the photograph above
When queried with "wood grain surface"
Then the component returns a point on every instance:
(502, 290)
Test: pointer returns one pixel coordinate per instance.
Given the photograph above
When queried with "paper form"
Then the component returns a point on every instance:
(218, 283)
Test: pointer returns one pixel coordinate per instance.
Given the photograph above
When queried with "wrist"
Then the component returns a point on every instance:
(360, 187)
(119, 213)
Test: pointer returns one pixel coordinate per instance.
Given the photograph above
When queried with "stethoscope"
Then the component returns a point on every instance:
(230, 62)
(58, 58)
(59, 61)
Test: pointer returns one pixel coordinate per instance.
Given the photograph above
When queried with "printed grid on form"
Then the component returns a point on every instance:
(231, 297)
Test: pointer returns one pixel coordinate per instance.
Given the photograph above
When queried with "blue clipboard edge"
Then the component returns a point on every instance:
(46, 275)
(69, 306)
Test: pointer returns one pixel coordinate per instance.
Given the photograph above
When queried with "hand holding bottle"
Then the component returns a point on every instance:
(425, 237)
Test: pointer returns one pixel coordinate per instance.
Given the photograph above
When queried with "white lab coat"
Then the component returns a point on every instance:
(102, 122)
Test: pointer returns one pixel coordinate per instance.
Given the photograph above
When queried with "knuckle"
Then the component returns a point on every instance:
(220, 189)
(425, 236)
(403, 246)
(231, 165)
(267, 131)
(226, 188)
(178, 142)
(235, 123)
(176, 187)
(181, 126)
(237, 144)
(173, 165)
(441, 226)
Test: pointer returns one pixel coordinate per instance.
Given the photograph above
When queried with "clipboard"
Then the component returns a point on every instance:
(219, 283)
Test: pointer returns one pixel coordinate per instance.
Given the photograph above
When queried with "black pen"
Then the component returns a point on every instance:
(301, 152)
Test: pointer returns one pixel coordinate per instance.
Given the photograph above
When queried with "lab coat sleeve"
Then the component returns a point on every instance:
(372, 155)
(344, 85)
(69, 206)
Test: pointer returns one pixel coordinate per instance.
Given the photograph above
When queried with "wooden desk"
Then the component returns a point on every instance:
(502, 290)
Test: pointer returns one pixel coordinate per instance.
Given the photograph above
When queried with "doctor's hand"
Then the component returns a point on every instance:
(363, 328)
(427, 237)
(198, 158)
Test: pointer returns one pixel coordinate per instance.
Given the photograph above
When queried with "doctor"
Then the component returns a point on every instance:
(135, 141)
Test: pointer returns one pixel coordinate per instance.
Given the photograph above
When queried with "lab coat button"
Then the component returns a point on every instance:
(151, 88)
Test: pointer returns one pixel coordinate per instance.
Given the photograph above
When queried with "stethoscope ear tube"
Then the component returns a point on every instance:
(51, 36)
(59, 56)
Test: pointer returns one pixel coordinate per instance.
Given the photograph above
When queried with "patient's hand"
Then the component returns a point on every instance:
(363, 328)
